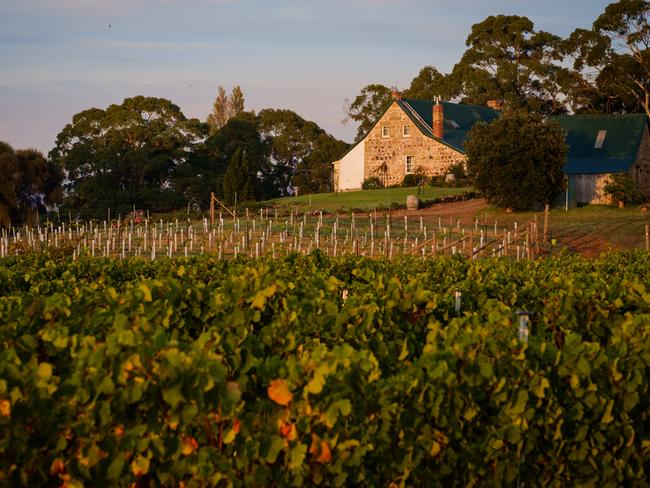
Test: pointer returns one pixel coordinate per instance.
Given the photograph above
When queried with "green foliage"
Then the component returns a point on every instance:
(430, 83)
(301, 152)
(460, 177)
(29, 184)
(458, 170)
(125, 156)
(509, 60)
(311, 370)
(367, 107)
(616, 50)
(516, 161)
(237, 180)
(372, 183)
(622, 188)
(417, 178)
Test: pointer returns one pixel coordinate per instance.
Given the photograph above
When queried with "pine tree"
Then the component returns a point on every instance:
(237, 180)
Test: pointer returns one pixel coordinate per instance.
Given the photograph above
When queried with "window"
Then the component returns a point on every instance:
(406, 131)
(600, 139)
(454, 124)
(409, 164)
(385, 132)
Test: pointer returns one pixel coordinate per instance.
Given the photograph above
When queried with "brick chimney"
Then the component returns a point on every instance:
(437, 123)
(396, 94)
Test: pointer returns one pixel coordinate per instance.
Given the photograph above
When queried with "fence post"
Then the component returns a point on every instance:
(546, 211)
(211, 208)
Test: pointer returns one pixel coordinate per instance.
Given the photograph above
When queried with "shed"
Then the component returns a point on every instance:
(600, 145)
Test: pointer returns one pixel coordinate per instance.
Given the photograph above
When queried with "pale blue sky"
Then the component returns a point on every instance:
(58, 57)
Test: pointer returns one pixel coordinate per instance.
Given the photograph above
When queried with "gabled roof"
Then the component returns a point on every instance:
(458, 119)
(619, 148)
(421, 114)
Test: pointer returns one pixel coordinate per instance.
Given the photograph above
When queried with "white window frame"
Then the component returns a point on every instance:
(406, 164)
(406, 131)
(385, 132)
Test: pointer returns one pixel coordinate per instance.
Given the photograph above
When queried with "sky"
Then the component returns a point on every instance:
(59, 57)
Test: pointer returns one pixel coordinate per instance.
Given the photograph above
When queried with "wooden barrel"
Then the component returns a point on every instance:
(411, 202)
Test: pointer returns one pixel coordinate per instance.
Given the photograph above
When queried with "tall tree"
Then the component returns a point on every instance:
(204, 171)
(314, 172)
(236, 102)
(219, 115)
(507, 59)
(125, 155)
(614, 59)
(430, 83)
(8, 183)
(225, 107)
(298, 147)
(516, 160)
(237, 180)
(367, 107)
(30, 184)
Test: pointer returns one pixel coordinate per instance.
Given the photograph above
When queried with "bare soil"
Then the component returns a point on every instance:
(589, 235)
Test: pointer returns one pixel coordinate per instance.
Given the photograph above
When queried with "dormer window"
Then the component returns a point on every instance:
(600, 139)
(385, 132)
(406, 131)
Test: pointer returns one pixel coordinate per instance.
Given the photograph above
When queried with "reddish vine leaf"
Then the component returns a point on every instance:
(279, 392)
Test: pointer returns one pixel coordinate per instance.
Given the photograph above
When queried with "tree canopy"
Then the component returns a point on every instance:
(507, 59)
(225, 107)
(301, 152)
(367, 107)
(237, 180)
(517, 159)
(29, 184)
(125, 155)
(613, 58)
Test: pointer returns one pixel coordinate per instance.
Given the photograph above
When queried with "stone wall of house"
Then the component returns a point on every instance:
(386, 156)
(640, 170)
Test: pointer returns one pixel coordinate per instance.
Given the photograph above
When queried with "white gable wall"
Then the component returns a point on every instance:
(351, 169)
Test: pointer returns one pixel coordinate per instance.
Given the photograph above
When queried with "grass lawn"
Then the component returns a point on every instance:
(362, 199)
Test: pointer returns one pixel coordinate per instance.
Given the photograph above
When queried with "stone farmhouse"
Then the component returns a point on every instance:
(421, 135)
(410, 135)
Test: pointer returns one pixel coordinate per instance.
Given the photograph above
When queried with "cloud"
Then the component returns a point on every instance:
(152, 45)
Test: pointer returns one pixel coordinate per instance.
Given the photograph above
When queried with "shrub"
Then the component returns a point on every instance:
(516, 160)
(622, 188)
(458, 170)
(417, 178)
(372, 183)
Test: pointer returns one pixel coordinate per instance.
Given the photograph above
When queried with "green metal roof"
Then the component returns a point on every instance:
(458, 119)
(619, 149)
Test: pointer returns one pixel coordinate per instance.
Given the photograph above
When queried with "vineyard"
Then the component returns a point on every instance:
(371, 234)
(321, 370)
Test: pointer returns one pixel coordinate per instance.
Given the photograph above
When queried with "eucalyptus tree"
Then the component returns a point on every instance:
(125, 155)
(613, 58)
